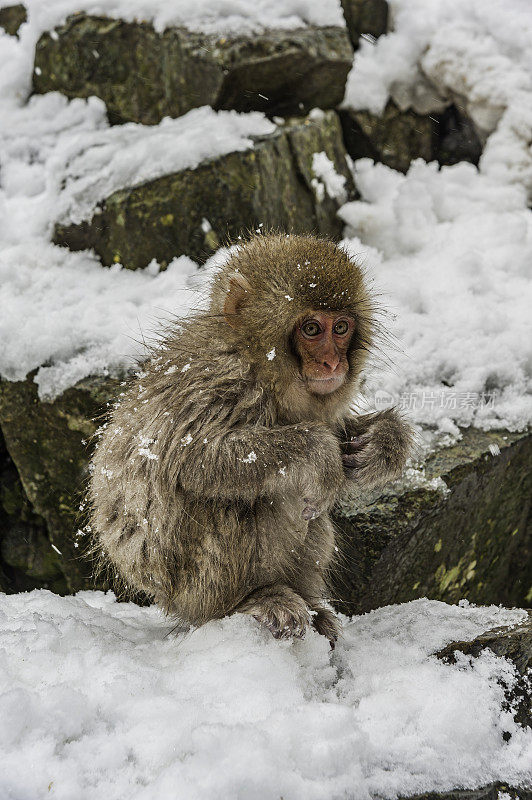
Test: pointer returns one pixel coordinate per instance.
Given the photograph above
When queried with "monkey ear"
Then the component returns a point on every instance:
(238, 288)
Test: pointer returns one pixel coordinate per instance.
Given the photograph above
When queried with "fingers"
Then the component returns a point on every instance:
(309, 512)
(357, 443)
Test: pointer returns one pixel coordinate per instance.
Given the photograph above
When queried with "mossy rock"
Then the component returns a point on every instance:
(473, 542)
(365, 18)
(143, 75)
(272, 185)
(394, 138)
(49, 443)
(12, 17)
(27, 559)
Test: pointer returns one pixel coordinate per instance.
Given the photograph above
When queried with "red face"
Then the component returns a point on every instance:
(322, 340)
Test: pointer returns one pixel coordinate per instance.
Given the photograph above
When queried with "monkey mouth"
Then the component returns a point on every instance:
(325, 385)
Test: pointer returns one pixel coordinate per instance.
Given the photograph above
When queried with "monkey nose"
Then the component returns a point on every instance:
(331, 361)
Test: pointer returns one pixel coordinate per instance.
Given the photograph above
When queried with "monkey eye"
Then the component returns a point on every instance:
(311, 328)
(341, 327)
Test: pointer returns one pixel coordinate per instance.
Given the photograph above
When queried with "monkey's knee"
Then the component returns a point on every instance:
(279, 609)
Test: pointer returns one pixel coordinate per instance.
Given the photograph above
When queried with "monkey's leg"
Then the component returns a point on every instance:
(315, 556)
(279, 608)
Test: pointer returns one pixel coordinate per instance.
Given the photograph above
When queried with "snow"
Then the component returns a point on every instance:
(327, 179)
(99, 699)
(90, 166)
(475, 54)
(450, 252)
(220, 17)
(61, 305)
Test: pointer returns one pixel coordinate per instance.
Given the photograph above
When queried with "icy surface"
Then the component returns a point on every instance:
(96, 700)
(221, 16)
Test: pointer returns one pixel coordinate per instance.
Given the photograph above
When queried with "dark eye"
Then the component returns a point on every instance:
(310, 328)
(341, 327)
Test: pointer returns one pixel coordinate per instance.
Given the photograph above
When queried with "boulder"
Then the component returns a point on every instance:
(143, 75)
(27, 559)
(367, 18)
(398, 136)
(49, 444)
(513, 643)
(12, 17)
(457, 139)
(395, 138)
(474, 541)
(273, 184)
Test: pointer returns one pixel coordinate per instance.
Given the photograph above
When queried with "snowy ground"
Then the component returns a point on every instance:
(97, 701)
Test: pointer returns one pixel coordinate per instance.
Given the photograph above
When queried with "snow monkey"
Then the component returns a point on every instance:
(213, 479)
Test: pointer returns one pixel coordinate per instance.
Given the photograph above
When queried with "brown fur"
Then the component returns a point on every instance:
(203, 472)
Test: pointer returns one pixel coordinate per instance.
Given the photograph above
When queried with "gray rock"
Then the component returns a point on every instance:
(456, 138)
(474, 542)
(365, 18)
(395, 138)
(515, 644)
(12, 17)
(27, 559)
(143, 76)
(272, 184)
(49, 443)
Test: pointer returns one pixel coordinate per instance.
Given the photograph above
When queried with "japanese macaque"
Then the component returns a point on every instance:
(213, 479)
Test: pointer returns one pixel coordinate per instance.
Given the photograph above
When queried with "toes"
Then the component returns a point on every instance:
(284, 623)
(326, 623)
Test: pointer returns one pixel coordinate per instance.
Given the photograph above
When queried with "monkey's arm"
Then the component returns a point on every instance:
(251, 462)
(376, 447)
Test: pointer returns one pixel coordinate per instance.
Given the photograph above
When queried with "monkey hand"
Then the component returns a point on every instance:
(377, 454)
(312, 509)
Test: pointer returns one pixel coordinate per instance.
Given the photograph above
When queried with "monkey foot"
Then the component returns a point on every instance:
(284, 620)
(326, 623)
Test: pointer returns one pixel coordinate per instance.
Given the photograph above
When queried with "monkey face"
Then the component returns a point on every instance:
(322, 341)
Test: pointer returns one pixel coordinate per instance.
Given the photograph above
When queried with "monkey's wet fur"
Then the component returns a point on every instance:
(213, 479)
